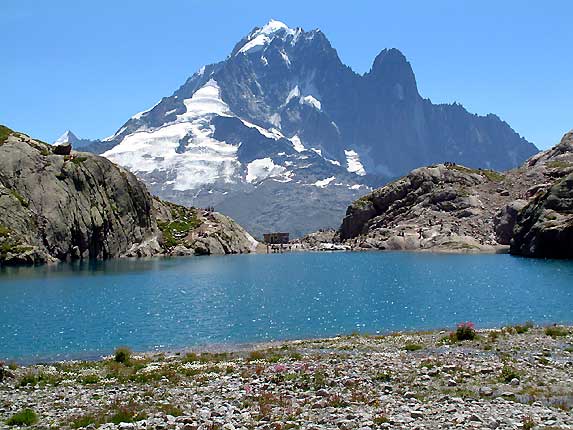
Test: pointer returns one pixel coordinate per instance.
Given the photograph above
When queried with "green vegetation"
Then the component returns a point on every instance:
(270, 356)
(126, 414)
(555, 331)
(83, 421)
(380, 419)
(122, 355)
(9, 245)
(40, 378)
(183, 221)
(26, 417)
(75, 159)
(362, 202)
(4, 133)
(520, 329)
(4, 231)
(460, 245)
(25, 203)
(382, 377)
(491, 175)
(79, 160)
(117, 413)
(413, 347)
(527, 423)
(206, 357)
(557, 164)
(464, 331)
(508, 373)
(88, 379)
(172, 410)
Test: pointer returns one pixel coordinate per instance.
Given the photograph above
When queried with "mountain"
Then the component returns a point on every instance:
(456, 208)
(282, 135)
(82, 206)
(95, 146)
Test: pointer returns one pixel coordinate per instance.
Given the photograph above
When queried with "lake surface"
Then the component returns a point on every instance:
(85, 310)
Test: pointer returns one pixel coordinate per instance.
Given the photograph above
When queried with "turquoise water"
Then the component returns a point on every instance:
(85, 310)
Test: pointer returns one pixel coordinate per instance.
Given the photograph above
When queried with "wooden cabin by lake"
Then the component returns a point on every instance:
(276, 238)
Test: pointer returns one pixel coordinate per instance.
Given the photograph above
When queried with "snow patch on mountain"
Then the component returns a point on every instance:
(311, 101)
(184, 150)
(353, 164)
(295, 92)
(263, 36)
(204, 161)
(285, 57)
(324, 182)
(263, 168)
(297, 144)
(272, 133)
(206, 100)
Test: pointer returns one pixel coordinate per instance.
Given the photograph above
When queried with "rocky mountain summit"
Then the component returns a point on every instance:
(81, 206)
(282, 135)
(451, 207)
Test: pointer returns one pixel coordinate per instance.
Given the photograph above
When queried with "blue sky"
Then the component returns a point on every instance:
(89, 65)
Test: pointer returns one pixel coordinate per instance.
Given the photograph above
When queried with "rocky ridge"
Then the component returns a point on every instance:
(450, 207)
(60, 205)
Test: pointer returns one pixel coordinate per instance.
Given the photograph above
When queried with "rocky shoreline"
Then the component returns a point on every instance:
(518, 377)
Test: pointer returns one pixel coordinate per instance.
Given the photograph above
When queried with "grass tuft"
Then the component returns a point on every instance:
(556, 331)
(122, 355)
(26, 417)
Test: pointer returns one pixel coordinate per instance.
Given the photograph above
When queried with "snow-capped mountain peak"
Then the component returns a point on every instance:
(274, 26)
(261, 37)
(282, 124)
(67, 137)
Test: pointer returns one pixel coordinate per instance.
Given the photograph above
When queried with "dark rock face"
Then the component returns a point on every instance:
(82, 206)
(284, 96)
(63, 149)
(545, 226)
(505, 220)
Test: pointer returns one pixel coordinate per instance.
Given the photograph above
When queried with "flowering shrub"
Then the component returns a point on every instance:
(464, 331)
(279, 368)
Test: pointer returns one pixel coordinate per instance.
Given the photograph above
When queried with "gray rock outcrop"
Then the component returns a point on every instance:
(63, 207)
(82, 206)
(456, 208)
(441, 206)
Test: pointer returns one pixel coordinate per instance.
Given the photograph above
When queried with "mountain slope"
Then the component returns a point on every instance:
(282, 115)
(82, 206)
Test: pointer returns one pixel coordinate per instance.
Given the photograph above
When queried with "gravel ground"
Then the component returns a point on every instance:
(500, 380)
